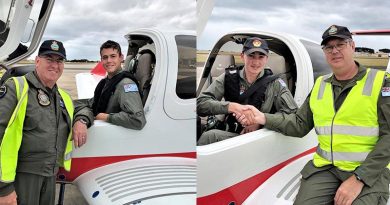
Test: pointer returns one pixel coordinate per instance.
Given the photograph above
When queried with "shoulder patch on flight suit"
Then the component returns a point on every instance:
(3, 91)
(282, 82)
(132, 87)
(62, 104)
(385, 91)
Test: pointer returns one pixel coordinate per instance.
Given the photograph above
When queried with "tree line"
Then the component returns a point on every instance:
(370, 50)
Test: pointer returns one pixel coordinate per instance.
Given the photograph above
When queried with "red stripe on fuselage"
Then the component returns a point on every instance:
(85, 164)
(239, 192)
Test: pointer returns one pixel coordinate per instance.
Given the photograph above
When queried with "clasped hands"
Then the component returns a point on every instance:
(247, 115)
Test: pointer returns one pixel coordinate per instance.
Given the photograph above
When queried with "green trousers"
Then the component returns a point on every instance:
(215, 135)
(319, 186)
(32, 189)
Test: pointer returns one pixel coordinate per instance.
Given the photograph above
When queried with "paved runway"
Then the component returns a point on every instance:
(67, 82)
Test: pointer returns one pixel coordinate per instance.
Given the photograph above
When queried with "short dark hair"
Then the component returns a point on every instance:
(111, 44)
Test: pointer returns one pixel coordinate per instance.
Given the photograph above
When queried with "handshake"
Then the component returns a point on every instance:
(247, 115)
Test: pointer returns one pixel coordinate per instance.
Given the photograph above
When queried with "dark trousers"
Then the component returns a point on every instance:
(32, 189)
(319, 186)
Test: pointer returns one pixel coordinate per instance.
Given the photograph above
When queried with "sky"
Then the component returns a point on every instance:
(306, 18)
(84, 25)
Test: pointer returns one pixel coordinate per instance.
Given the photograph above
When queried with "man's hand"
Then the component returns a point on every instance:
(250, 116)
(250, 128)
(102, 116)
(79, 134)
(348, 191)
(10, 199)
(235, 108)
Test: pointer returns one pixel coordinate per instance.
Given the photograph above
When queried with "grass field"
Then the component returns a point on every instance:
(373, 61)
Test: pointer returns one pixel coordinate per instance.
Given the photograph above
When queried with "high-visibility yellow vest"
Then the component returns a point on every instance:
(13, 134)
(347, 136)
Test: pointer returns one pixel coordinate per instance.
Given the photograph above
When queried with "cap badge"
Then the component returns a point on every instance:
(332, 30)
(43, 99)
(54, 46)
(256, 43)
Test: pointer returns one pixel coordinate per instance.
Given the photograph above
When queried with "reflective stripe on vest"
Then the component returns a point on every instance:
(13, 134)
(347, 136)
(66, 163)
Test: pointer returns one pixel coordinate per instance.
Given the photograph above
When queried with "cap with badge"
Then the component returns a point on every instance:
(335, 31)
(52, 47)
(255, 44)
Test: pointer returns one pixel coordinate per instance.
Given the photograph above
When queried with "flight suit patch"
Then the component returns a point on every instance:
(242, 89)
(282, 82)
(3, 91)
(385, 91)
(132, 87)
(62, 104)
(43, 99)
(232, 71)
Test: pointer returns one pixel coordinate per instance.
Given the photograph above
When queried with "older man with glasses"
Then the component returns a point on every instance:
(349, 110)
(35, 130)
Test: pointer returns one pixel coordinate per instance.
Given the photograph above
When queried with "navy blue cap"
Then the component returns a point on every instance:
(52, 47)
(255, 44)
(335, 31)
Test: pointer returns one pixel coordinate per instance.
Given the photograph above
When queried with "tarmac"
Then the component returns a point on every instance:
(67, 81)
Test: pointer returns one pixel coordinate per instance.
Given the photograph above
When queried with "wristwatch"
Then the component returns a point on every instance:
(358, 177)
(83, 121)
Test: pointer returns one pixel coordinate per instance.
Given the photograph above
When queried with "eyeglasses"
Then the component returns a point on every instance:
(51, 60)
(340, 46)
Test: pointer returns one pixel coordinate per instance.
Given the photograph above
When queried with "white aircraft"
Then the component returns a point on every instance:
(261, 167)
(155, 165)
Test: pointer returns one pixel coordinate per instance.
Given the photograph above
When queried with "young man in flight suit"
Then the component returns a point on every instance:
(248, 84)
(116, 99)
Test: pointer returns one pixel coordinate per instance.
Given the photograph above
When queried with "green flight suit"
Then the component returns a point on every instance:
(45, 133)
(124, 108)
(319, 184)
(209, 102)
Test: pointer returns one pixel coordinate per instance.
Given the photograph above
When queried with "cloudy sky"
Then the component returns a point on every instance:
(307, 18)
(84, 25)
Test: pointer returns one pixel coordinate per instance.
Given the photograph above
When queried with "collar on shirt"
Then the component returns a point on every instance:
(360, 74)
(243, 75)
(34, 80)
(119, 71)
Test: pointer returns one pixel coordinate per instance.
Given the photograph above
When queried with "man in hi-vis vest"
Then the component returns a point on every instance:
(349, 111)
(35, 130)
